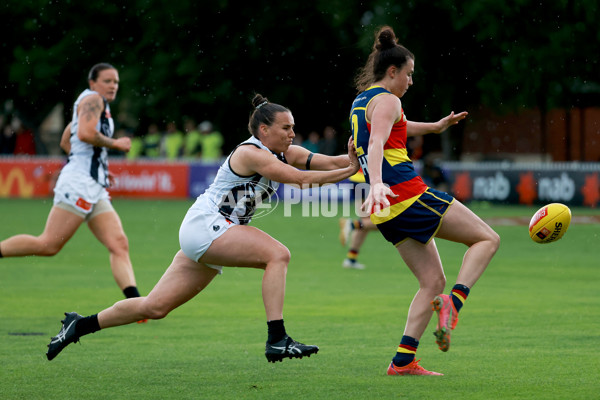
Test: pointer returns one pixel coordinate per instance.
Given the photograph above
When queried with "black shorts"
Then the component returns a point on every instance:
(420, 221)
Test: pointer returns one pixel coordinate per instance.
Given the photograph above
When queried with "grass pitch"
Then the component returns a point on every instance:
(529, 329)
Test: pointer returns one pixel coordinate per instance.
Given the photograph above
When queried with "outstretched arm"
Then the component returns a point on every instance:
(248, 160)
(423, 128)
(298, 157)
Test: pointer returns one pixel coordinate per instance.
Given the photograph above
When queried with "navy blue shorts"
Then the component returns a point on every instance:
(420, 221)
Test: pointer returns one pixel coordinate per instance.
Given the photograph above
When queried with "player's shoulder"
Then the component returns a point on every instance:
(92, 98)
(249, 152)
(388, 98)
(387, 102)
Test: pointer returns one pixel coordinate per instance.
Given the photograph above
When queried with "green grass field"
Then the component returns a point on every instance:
(529, 329)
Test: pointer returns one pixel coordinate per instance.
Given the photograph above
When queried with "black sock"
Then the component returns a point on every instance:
(276, 331)
(87, 325)
(131, 291)
(0, 253)
(406, 351)
(459, 295)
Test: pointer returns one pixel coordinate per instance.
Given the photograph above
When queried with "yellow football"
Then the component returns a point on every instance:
(550, 223)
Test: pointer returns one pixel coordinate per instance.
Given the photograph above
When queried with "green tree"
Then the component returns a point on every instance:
(206, 59)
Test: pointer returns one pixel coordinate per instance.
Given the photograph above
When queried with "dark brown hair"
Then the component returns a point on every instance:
(96, 69)
(264, 113)
(386, 52)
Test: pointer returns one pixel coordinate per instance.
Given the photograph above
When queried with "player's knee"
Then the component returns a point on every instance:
(436, 283)
(439, 283)
(49, 249)
(495, 241)
(155, 311)
(278, 257)
(284, 255)
(157, 314)
(119, 244)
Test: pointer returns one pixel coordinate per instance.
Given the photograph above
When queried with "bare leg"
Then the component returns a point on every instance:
(367, 224)
(461, 225)
(108, 230)
(61, 225)
(259, 250)
(246, 246)
(358, 236)
(185, 278)
(181, 281)
(424, 262)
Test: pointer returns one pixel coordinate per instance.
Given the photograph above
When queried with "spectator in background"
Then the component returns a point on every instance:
(152, 141)
(172, 142)
(192, 142)
(49, 131)
(211, 142)
(7, 138)
(299, 139)
(433, 175)
(137, 146)
(329, 144)
(119, 133)
(312, 142)
(414, 147)
(24, 139)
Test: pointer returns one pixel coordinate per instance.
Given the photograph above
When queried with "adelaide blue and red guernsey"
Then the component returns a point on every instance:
(397, 169)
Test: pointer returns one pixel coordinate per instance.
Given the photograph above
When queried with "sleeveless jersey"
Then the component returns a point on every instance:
(397, 169)
(85, 157)
(234, 196)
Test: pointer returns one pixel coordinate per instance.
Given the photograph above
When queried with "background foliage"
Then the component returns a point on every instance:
(206, 59)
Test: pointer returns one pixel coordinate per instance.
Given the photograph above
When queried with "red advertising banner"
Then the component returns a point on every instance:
(35, 177)
(149, 179)
(28, 177)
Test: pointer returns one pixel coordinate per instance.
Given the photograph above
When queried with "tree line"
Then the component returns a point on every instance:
(205, 59)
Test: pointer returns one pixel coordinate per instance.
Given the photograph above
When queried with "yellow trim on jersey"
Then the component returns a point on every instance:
(402, 116)
(396, 156)
(358, 177)
(393, 211)
(367, 106)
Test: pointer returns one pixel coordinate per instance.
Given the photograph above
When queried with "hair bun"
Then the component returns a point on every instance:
(258, 100)
(386, 39)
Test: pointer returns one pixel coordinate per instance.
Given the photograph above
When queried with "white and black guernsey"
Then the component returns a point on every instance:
(234, 196)
(85, 157)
